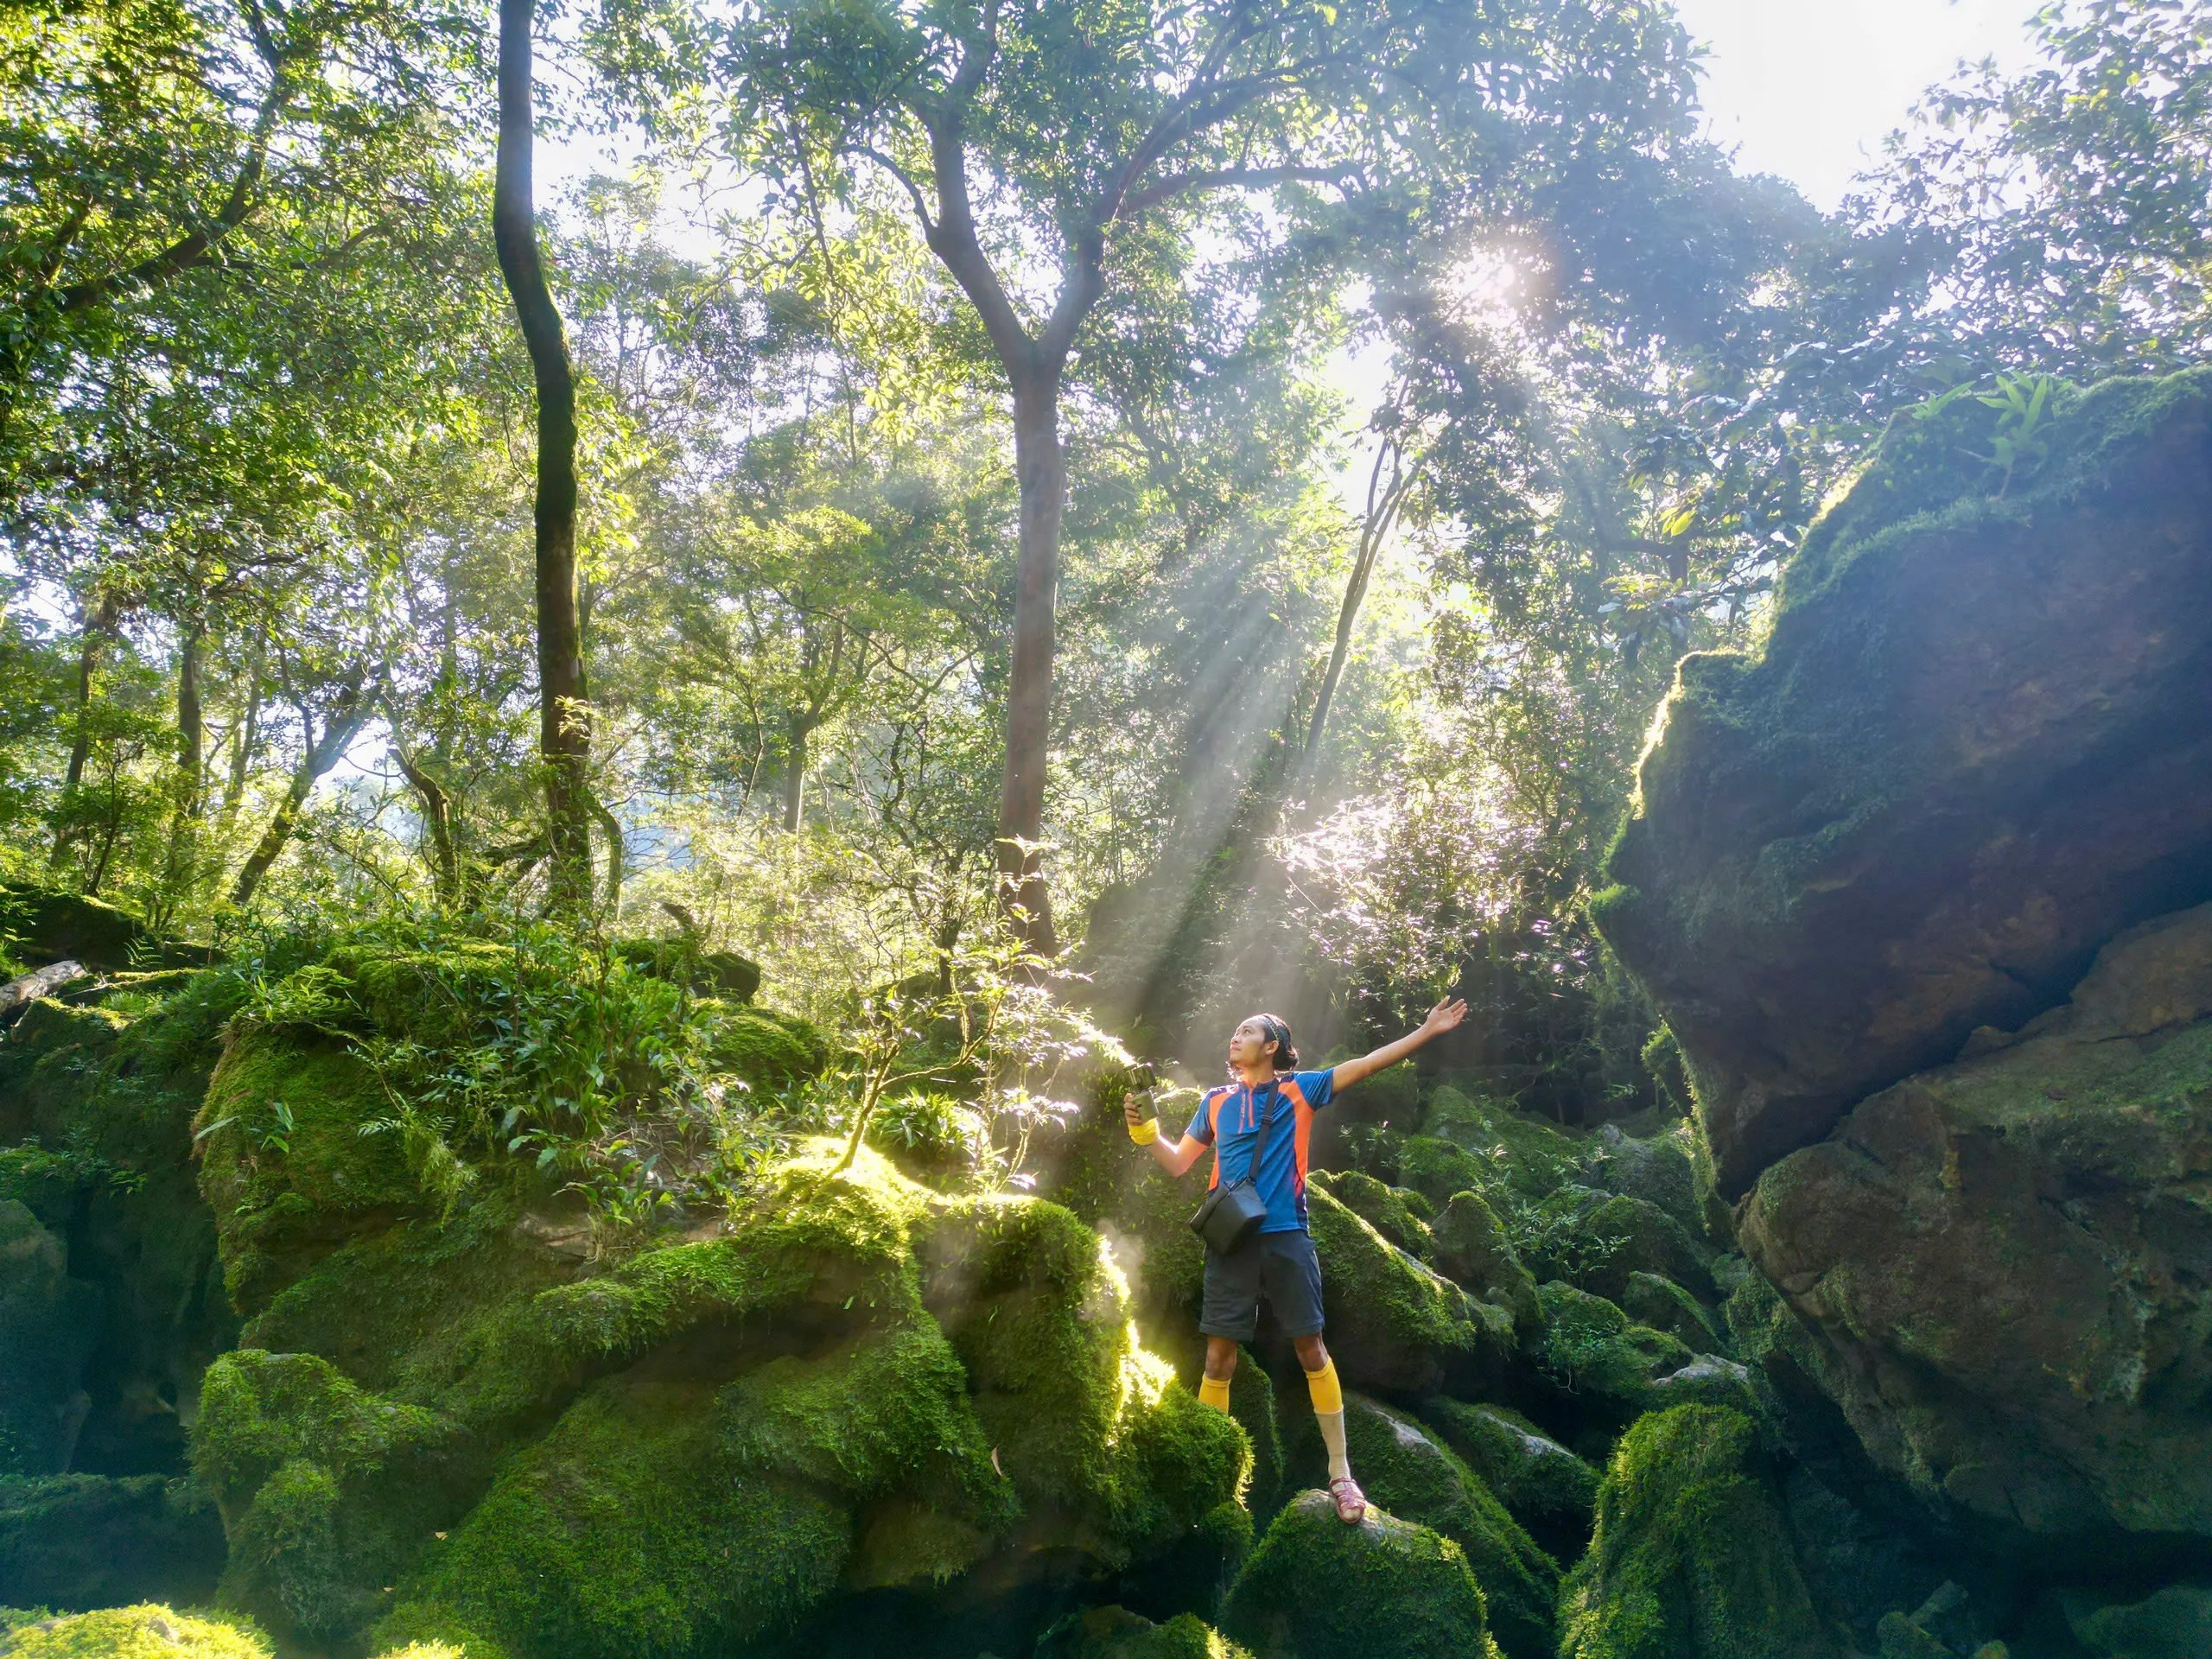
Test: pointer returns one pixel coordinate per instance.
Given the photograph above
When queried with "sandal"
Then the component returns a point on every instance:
(1351, 1503)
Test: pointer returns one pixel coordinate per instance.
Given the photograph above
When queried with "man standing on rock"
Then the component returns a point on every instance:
(1279, 1260)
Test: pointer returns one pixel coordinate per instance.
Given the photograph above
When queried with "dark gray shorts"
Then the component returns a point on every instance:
(1283, 1265)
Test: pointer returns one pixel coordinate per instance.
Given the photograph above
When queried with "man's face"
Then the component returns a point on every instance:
(1248, 1043)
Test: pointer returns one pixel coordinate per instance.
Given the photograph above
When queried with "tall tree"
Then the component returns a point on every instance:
(564, 718)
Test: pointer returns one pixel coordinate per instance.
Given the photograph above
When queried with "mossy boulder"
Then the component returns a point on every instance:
(2176, 1622)
(1692, 1556)
(1650, 1299)
(1545, 1487)
(1602, 1359)
(1115, 1632)
(1470, 1246)
(1976, 744)
(1640, 1238)
(98, 1100)
(41, 925)
(1527, 1154)
(49, 1323)
(855, 1383)
(1661, 1170)
(1412, 1474)
(145, 1632)
(79, 1542)
(1437, 1168)
(2000, 1261)
(1400, 1214)
(1315, 1588)
(1393, 1325)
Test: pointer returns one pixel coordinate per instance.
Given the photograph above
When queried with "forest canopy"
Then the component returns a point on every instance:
(1196, 503)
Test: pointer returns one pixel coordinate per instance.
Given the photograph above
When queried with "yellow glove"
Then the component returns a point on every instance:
(1146, 1133)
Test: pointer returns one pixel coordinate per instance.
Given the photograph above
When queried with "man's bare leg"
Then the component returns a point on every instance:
(1328, 1396)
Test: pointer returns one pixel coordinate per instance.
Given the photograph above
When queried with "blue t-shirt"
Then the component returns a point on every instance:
(1229, 1120)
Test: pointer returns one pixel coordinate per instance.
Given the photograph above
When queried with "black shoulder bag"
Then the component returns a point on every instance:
(1233, 1213)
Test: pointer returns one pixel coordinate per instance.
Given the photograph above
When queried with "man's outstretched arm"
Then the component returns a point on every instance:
(1176, 1157)
(1445, 1016)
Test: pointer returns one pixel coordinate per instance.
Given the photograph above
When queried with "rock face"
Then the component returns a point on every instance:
(2008, 1261)
(1977, 744)
(1690, 1556)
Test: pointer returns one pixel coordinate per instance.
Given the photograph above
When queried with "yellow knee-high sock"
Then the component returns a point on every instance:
(1214, 1391)
(1328, 1396)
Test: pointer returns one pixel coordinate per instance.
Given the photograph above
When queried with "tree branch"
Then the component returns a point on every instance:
(199, 246)
(1248, 178)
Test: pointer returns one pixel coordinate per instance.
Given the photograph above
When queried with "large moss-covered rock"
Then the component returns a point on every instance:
(853, 1384)
(147, 1630)
(2005, 1261)
(96, 1110)
(1315, 1588)
(1545, 1487)
(1470, 1246)
(1114, 1633)
(1692, 1558)
(1415, 1476)
(1602, 1359)
(46, 925)
(1977, 744)
(1394, 1324)
(2174, 1624)
(48, 1322)
(79, 1542)
(1400, 1214)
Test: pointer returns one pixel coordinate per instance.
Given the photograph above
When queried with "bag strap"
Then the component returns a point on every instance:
(1266, 1126)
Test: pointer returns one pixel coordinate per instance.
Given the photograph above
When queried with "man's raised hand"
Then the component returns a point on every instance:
(1445, 1016)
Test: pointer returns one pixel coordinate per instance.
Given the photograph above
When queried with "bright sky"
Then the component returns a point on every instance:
(1808, 88)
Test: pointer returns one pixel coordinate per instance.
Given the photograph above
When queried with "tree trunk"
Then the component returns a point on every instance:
(1041, 474)
(798, 730)
(246, 737)
(564, 723)
(437, 819)
(1383, 503)
(346, 719)
(191, 769)
(99, 627)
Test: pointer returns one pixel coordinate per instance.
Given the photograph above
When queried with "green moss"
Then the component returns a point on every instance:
(1646, 1239)
(90, 1541)
(630, 1531)
(1529, 1155)
(48, 1324)
(286, 1166)
(401, 1308)
(1662, 1170)
(886, 1408)
(1393, 1325)
(1470, 1246)
(1437, 1169)
(1416, 1478)
(1088, 1425)
(46, 924)
(327, 1491)
(1692, 1555)
(768, 1050)
(1665, 1306)
(1602, 1357)
(1390, 1211)
(1117, 1633)
(145, 1632)
(1252, 1403)
(1315, 1588)
(1549, 1491)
